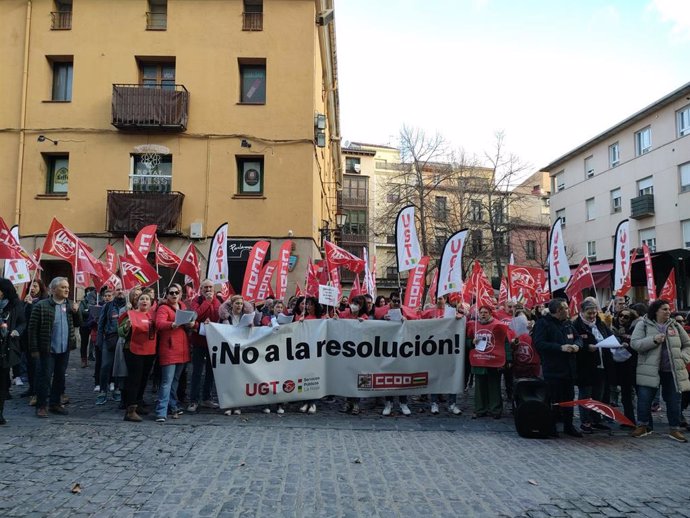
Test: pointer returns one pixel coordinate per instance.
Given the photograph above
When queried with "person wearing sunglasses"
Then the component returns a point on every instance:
(173, 352)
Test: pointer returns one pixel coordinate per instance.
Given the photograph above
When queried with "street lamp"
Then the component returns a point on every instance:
(326, 231)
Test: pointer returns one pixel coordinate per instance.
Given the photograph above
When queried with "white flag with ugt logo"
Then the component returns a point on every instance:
(406, 242)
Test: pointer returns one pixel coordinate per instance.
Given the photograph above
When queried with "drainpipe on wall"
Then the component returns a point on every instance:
(22, 116)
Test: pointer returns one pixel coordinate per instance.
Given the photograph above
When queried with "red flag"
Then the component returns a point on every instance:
(627, 283)
(189, 265)
(598, 406)
(166, 257)
(145, 238)
(524, 282)
(136, 271)
(574, 302)
(226, 290)
(61, 242)
(480, 286)
(503, 291)
(311, 283)
(321, 273)
(283, 264)
(105, 277)
(651, 286)
(544, 295)
(265, 280)
(110, 258)
(298, 290)
(580, 280)
(668, 292)
(337, 256)
(252, 272)
(414, 294)
(334, 276)
(356, 288)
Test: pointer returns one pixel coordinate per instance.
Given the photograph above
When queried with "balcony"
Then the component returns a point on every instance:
(642, 206)
(128, 211)
(252, 21)
(150, 107)
(61, 20)
(354, 238)
(352, 201)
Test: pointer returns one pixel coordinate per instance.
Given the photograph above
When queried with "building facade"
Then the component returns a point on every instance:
(530, 221)
(638, 170)
(164, 112)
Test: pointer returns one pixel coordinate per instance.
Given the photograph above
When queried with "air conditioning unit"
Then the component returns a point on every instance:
(196, 230)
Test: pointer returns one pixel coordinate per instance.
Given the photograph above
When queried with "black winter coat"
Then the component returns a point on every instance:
(10, 348)
(588, 361)
(548, 336)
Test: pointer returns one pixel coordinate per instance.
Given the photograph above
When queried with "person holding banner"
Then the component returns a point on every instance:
(173, 352)
(663, 351)
(206, 307)
(593, 363)
(230, 312)
(357, 310)
(393, 304)
(558, 344)
(490, 354)
(138, 329)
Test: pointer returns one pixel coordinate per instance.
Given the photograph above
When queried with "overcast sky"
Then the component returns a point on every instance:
(549, 73)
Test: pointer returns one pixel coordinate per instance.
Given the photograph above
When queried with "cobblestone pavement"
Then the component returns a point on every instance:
(324, 465)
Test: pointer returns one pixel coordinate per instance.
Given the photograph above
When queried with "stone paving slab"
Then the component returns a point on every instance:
(328, 464)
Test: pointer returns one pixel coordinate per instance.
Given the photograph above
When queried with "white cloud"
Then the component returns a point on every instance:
(676, 12)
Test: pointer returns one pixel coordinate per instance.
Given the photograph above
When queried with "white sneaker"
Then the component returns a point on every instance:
(304, 408)
(237, 411)
(97, 388)
(280, 410)
(387, 408)
(266, 410)
(111, 388)
(453, 409)
(434, 408)
(405, 409)
(18, 381)
(312, 408)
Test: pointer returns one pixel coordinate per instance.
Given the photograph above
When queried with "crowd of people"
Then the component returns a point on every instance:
(134, 341)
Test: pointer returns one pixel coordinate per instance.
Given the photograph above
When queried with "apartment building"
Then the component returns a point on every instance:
(115, 115)
(638, 170)
(530, 221)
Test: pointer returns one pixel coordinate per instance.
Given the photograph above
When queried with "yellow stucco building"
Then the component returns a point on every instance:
(185, 113)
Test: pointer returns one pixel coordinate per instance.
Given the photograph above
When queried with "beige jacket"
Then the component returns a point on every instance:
(649, 353)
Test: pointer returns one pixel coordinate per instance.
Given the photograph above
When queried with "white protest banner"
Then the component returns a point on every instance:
(450, 264)
(559, 271)
(217, 267)
(406, 243)
(328, 295)
(621, 255)
(311, 359)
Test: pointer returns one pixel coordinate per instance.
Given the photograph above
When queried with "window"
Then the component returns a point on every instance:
(683, 121)
(643, 141)
(391, 272)
(381, 164)
(589, 209)
(499, 213)
(648, 237)
(592, 250)
(151, 173)
(439, 238)
(157, 74)
(253, 15)
(561, 214)
(558, 182)
(393, 197)
(477, 244)
(391, 239)
(252, 81)
(57, 174)
(157, 16)
(500, 244)
(352, 165)
(530, 249)
(614, 155)
(62, 79)
(686, 233)
(684, 172)
(645, 186)
(589, 167)
(250, 175)
(355, 190)
(356, 224)
(476, 213)
(616, 200)
(62, 16)
(441, 208)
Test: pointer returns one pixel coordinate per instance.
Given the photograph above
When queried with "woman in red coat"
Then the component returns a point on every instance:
(173, 352)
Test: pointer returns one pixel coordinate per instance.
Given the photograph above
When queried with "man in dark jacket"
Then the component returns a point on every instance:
(106, 341)
(51, 338)
(558, 343)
